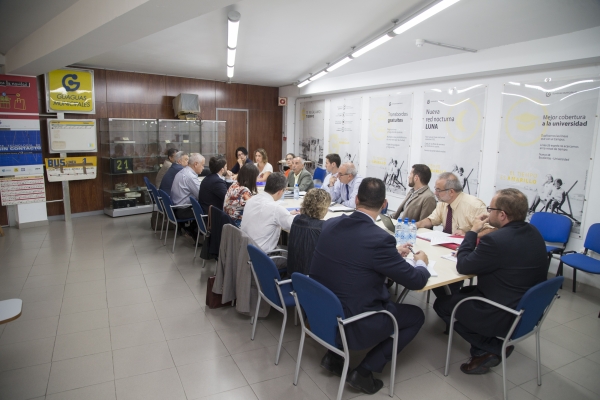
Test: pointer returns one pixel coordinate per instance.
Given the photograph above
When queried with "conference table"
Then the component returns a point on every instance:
(446, 269)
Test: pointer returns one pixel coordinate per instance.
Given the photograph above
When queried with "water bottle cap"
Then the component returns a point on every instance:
(413, 221)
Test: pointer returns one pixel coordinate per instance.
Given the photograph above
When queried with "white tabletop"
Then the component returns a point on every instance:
(10, 310)
(446, 269)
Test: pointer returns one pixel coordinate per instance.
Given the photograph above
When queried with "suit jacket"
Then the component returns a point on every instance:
(212, 192)
(167, 181)
(303, 238)
(420, 206)
(305, 180)
(352, 258)
(507, 262)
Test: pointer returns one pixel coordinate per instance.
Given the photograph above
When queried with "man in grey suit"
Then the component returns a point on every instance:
(420, 201)
(300, 176)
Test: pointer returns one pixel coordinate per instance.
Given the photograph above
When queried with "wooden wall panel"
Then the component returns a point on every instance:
(261, 134)
(262, 98)
(236, 133)
(231, 95)
(204, 89)
(3, 215)
(130, 87)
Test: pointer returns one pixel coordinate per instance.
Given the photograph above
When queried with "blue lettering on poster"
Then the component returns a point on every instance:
(20, 147)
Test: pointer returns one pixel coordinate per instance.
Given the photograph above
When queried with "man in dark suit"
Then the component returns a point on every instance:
(353, 257)
(213, 187)
(181, 161)
(507, 262)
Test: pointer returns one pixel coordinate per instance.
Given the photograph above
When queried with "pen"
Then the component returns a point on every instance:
(411, 250)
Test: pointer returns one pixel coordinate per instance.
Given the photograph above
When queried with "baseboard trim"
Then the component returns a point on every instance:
(33, 224)
(76, 215)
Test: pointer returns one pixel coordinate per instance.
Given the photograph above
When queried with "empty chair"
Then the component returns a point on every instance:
(270, 288)
(199, 215)
(554, 229)
(319, 175)
(326, 318)
(168, 208)
(529, 317)
(583, 261)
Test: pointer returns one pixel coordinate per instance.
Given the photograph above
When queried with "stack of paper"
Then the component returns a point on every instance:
(447, 239)
(340, 208)
(431, 234)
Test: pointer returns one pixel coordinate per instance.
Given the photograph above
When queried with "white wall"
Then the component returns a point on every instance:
(494, 83)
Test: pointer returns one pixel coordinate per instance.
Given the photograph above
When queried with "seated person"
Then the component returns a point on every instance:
(300, 176)
(556, 197)
(507, 262)
(185, 185)
(419, 202)
(242, 158)
(456, 212)
(240, 192)
(166, 165)
(262, 163)
(543, 194)
(264, 218)
(306, 229)
(213, 187)
(353, 257)
(181, 161)
(346, 187)
(288, 164)
(332, 164)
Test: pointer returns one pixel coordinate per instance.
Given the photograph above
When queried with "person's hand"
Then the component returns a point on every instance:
(404, 249)
(240, 162)
(479, 222)
(295, 212)
(229, 174)
(420, 255)
(459, 232)
(332, 180)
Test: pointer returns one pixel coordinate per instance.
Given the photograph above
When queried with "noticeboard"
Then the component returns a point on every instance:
(72, 135)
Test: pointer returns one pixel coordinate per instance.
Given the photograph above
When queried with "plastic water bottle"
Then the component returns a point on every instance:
(413, 232)
(398, 233)
(296, 192)
(406, 229)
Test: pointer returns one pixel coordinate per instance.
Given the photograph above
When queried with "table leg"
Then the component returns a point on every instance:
(447, 290)
(402, 296)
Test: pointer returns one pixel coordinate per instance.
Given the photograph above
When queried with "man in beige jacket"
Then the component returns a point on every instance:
(420, 201)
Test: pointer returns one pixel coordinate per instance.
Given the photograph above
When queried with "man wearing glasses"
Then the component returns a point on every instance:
(507, 262)
(346, 189)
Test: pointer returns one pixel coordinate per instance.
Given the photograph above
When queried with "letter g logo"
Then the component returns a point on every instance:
(70, 85)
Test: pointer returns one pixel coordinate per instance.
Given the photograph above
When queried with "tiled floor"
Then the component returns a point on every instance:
(110, 313)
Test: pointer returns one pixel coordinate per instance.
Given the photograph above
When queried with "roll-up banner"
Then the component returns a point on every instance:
(546, 142)
(388, 148)
(452, 133)
(344, 129)
(310, 145)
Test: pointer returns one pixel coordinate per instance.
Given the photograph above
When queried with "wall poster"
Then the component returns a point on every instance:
(344, 129)
(452, 133)
(389, 141)
(546, 141)
(310, 144)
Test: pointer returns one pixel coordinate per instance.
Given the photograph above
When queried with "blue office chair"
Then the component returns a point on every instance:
(168, 207)
(583, 261)
(199, 215)
(270, 288)
(319, 175)
(554, 229)
(530, 314)
(326, 318)
(159, 207)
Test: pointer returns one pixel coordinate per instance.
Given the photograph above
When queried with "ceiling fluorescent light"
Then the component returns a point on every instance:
(306, 82)
(372, 45)
(515, 83)
(437, 90)
(233, 25)
(338, 64)
(231, 57)
(317, 76)
(229, 72)
(430, 12)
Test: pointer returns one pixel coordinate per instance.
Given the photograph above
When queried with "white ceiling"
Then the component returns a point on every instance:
(282, 41)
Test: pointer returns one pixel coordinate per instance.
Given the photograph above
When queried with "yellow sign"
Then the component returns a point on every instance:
(70, 90)
(71, 168)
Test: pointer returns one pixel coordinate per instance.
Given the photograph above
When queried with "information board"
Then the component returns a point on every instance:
(71, 168)
(72, 135)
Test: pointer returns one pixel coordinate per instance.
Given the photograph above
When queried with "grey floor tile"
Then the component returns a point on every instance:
(79, 304)
(133, 313)
(583, 372)
(128, 297)
(82, 343)
(80, 372)
(86, 275)
(102, 391)
(84, 288)
(84, 321)
(41, 309)
(143, 359)
(24, 383)
(558, 387)
(280, 388)
(29, 329)
(157, 385)
(242, 393)
(208, 377)
(185, 325)
(259, 365)
(136, 334)
(26, 354)
(191, 349)
(177, 306)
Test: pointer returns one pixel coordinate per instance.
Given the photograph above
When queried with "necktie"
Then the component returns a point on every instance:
(347, 193)
(448, 224)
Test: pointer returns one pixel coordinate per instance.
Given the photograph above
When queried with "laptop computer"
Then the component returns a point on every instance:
(387, 222)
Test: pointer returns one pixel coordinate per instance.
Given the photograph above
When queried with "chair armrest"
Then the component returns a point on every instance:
(276, 251)
(569, 252)
(365, 315)
(182, 206)
(274, 257)
(483, 299)
(283, 282)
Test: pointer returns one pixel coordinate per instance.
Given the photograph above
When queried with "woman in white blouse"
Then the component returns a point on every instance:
(262, 162)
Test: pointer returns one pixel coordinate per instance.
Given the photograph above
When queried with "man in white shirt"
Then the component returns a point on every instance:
(332, 164)
(346, 188)
(186, 184)
(264, 218)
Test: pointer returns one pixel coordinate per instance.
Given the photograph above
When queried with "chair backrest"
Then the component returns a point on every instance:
(534, 302)
(167, 203)
(156, 195)
(266, 272)
(592, 239)
(321, 306)
(320, 174)
(198, 212)
(553, 227)
(149, 189)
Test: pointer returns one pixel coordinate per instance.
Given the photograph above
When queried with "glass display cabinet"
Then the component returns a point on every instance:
(212, 141)
(130, 151)
(179, 134)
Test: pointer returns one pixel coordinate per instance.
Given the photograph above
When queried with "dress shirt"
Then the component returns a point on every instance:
(325, 185)
(264, 219)
(465, 209)
(346, 194)
(185, 184)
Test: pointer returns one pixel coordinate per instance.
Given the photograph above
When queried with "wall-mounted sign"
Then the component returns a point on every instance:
(20, 147)
(22, 190)
(71, 168)
(72, 135)
(18, 96)
(70, 90)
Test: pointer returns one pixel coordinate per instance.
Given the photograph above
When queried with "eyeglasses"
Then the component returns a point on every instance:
(340, 174)
(440, 190)
(490, 209)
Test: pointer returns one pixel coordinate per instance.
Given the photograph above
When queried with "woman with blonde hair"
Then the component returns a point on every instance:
(262, 162)
(306, 229)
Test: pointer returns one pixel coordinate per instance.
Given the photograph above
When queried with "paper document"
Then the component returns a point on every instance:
(340, 208)
(431, 234)
(432, 271)
(450, 257)
(445, 239)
